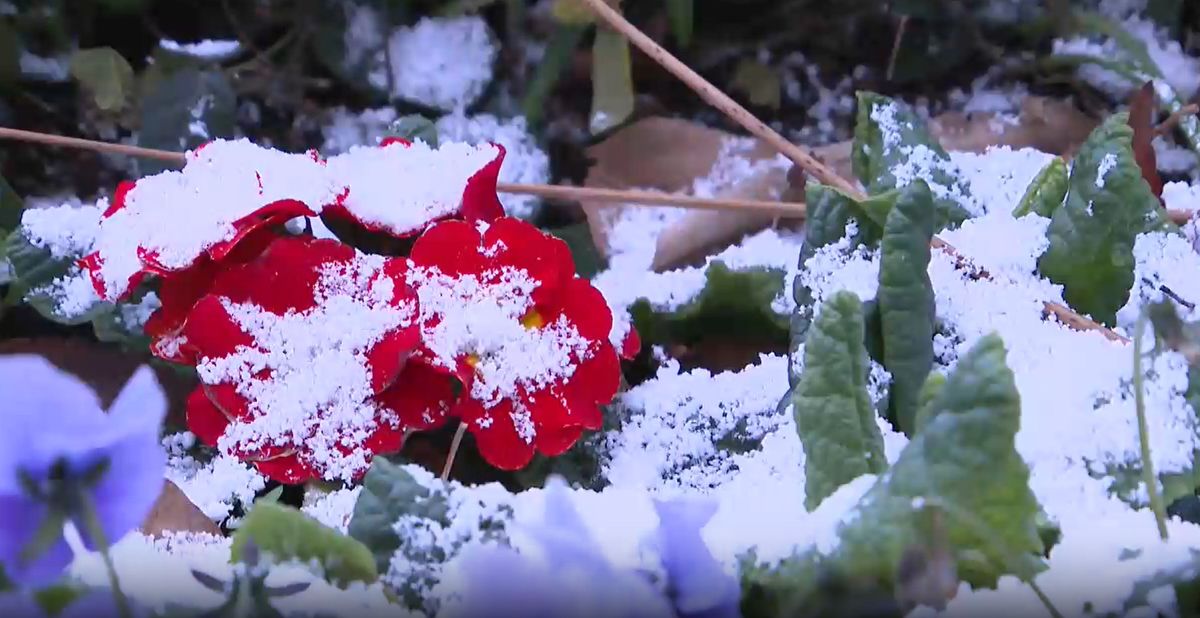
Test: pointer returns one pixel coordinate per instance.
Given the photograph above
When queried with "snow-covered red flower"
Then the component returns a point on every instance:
(292, 349)
(401, 187)
(502, 311)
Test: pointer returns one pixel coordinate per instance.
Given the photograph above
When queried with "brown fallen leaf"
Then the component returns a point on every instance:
(1142, 109)
(174, 512)
(1050, 125)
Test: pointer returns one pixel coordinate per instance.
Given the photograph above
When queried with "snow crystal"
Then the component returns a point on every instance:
(216, 486)
(319, 389)
(65, 231)
(1162, 260)
(920, 161)
(524, 161)
(442, 62)
(1181, 196)
(333, 508)
(402, 188)
(999, 176)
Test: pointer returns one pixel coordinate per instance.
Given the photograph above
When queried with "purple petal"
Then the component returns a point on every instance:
(133, 482)
(701, 586)
(99, 603)
(20, 605)
(20, 518)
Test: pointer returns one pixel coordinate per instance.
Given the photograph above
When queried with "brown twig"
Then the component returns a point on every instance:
(454, 444)
(607, 196)
(901, 28)
(1175, 118)
(715, 97)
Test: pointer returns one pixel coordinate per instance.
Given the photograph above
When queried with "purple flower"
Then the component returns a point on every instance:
(572, 578)
(98, 603)
(699, 587)
(62, 459)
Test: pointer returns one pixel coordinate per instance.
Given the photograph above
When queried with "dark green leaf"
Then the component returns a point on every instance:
(10, 55)
(680, 13)
(106, 75)
(557, 58)
(183, 110)
(357, 61)
(929, 392)
(733, 303)
(11, 207)
(612, 80)
(125, 6)
(833, 411)
(414, 127)
(1047, 191)
(287, 533)
(906, 303)
(588, 260)
(893, 147)
(388, 493)
(54, 599)
(964, 460)
(1092, 234)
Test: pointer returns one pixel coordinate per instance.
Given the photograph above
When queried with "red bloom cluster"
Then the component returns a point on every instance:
(313, 357)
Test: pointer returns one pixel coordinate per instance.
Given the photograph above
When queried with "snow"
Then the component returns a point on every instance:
(1180, 72)
(921, 162)
(444, 63)
(524, 161)
(208, 49)
(319, 391)
(66, 231)
(215, 486)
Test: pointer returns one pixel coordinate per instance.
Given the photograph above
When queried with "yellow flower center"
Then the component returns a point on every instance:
(472, 360)
(533, 320)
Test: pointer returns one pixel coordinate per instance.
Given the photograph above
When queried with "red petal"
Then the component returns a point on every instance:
(288, 469)
(118, 200)
(387, 438)
(421, 396)
(178, 293)
(585, 307)
(228, 402)
(555, 442)
(211, 331)
(547, 259)
(479, 200)
(272, 214)
(597, 379)
(450, 246)
(498, 441)
(92, 263)
(387, 358)
(388, 141)
(284, 277)
(631, 345)
(203, 417)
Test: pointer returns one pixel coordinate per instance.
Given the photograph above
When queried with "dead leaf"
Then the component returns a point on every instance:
(1142, 108)
(1050, 125)
(174, 512)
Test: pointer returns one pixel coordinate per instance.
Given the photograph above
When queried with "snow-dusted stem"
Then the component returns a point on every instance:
(454, 444)
(1139, 400)
(91, 523)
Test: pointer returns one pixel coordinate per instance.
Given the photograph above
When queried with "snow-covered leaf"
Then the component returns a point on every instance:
(106, 75)
(11, 207)
(389, 492)
(893, 147)
(414, 127)
(289, 534)
(834, 415)
(964, 460)
(906, 303)
(36, 275)
(734, 304)
(1092, 235)
(183, 110)
(1047, 191)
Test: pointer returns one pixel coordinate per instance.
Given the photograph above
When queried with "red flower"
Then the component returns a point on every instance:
(292, 350)
(502, 310)
(401, 188)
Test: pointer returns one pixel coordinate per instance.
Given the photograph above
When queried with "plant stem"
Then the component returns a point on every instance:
(91, 522)
(454, 444)
(1139, 399)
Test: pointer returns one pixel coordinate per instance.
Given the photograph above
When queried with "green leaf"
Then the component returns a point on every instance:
(733, 303)
(1092, 234)
(11, 207)
(388, 493)
(1047, 191)
(10, 55)
(578, 236)
(36, 274)
(833, 411)
(414, 127)
(289, 534)
(964, 460)
(106, 75)
(560, 50)
(760, 83)
(354, 60)
(906, 303)
(681, 15)
(892, 147)
(612, 81)
(183, 110)
(929, 392)
(54, 599)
